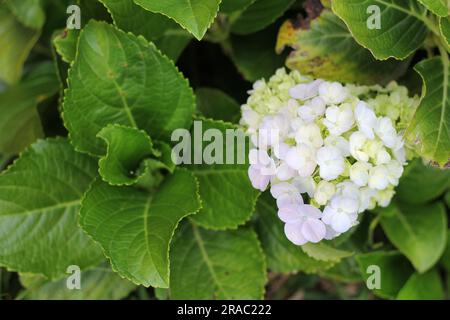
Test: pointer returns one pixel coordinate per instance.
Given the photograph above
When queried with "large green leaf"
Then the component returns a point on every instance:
(119, 78)
(216, 265)
(20, 123)
(282, 255)
(215, 104)
(229, 6)
(426, 286)
(194, 15)
(228, 197)
(432, 119)
(126, 149)
(402, 29)
(29, 12)
(421, 183)
(166, 34)
(254, 55)
(418, 231)
(438, 7)
(394, 271)
(99, 283)
(16, 42)
(327, 50)
(39, 201)
(259, 15)
(135, 227)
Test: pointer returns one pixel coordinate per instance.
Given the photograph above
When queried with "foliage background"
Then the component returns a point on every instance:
(409, 240)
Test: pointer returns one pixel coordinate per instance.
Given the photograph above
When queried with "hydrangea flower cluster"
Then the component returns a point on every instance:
(342, 146)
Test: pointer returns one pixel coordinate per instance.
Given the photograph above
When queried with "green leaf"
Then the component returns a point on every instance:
(164, 32)
(216, 265)
(39, 201)
(128, 16)
(228, 197)
(282, 255)
(444, 26)
(134, 86)
(325, 252)
(421, 183)
(327, 50)
(215, 104)
(229, 6)
(402, 28)
(254, 55)
(259, 15)
(394, 271)
(29, 12)
(65, 42)
(135, 227)
(418, 231)
(445, 259)
(438, 7)
(426, 286)
(126, 149)
(18, 107)
(194, 15)
(99, 283)
(432, 119)
(16, 42)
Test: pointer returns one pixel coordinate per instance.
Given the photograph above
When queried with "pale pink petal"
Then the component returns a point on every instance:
(290, 214)
(313, 230)
(294, 234)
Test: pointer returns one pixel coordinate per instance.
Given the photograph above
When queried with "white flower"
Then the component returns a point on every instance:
(321, 138)
(313, 109)
(273, 129)
(302, 158)
(359, 173)
(331, 163)
(250, 117)
(366, 199)
(366, 119)
(339, 119)
(348, 188)
(309, 134)
(305, 185)
(259, 181)
(384, 197)
(382, 156)
(332, 92)
(306, 91)
(262, 161)
(387, 133)
(395, 170)
(284, 172)
(324, 192)
(379, 179)
(341, 213)
(303, 224)
(339, 142)
(357, 143)
(286, 194)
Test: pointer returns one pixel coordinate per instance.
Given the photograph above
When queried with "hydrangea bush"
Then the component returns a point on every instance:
(343, 191)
